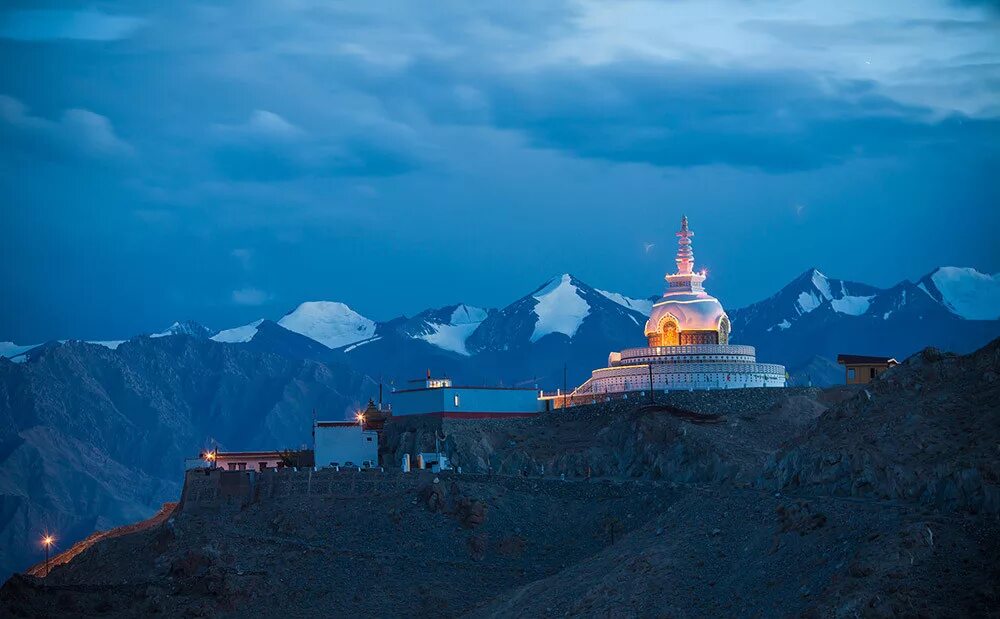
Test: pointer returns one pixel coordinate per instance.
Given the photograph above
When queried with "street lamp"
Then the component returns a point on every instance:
(47, 541)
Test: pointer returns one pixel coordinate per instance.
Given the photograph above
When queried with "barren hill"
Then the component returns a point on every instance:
(876, 501)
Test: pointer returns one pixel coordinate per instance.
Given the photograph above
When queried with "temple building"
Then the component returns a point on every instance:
(688, 335)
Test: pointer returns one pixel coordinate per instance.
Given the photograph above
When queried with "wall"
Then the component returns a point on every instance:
(342, 444)
(215, 491)
(471, 401)
(862, 373)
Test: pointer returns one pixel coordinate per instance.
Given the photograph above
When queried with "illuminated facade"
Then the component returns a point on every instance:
(688, 335)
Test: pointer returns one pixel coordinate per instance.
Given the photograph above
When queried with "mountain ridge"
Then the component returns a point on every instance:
(813, 315)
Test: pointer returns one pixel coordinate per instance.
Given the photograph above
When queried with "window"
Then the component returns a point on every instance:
(456, 400)
(369, 439)
(850, 373)
(242, 466)
(871, 372)
(232, 466)
(262, 466)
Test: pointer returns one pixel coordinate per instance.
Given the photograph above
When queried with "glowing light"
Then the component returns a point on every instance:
(48, 540)
(360, 417)
(210, 455)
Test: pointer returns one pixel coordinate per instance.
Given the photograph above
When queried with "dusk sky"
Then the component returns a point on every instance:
(225, 161)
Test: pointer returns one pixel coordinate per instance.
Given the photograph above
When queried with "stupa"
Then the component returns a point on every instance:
(688, 335)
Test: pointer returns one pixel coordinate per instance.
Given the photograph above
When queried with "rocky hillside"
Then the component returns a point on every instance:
(735, 553)
(92, 437)
(866, 501)
(703, 437)
(927, 430)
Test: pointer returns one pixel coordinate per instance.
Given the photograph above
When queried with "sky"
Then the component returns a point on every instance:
(226, 161)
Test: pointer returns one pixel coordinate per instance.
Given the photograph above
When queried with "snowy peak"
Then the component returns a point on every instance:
(468, 314)
(811, 293)
(238, 335)
(12, 350)
(188, 327)
(564, 306)
(945, 293)
(643, 306)
(560, 308)
(330, 323)
(448, 327)
(813, 289)
(965, 292)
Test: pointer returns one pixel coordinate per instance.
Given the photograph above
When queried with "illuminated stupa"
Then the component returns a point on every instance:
(688, 334)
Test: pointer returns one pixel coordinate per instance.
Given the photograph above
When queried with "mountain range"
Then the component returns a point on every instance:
(93, 434)
(564, 328)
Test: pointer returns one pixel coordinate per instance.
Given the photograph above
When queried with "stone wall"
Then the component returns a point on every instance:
(215, 490)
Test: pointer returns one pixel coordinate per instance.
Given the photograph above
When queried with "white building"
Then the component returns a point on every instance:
(688, 334)
(340, 443)
(239, 460)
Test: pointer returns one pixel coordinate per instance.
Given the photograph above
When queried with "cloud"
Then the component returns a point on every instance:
(262, 125)
(78, 133)
(681, 115)
(44, 25)
(250, 296)
(268, 147)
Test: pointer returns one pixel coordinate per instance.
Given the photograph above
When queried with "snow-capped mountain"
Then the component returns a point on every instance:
(187, 327)
(448, 327)
(15, 352)
(238, 335)
(330, 323)
(564, 323)
(19, 353)
(803, 295)
(966, 292)
(562, 309)
(643, 306)
(818, 315)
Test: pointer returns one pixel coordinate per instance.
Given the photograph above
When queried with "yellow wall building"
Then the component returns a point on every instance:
(861, 369)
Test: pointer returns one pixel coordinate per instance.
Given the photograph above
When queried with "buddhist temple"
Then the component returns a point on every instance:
(688, 334)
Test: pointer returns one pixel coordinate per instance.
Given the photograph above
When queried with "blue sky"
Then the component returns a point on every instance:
(224, 161)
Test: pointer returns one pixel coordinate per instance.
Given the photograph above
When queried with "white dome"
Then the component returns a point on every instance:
(694, 311)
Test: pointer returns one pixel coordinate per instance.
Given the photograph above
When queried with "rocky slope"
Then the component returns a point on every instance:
(704, 437)
(718, 553)
(868, 501)
(927, 430)
(92, 437)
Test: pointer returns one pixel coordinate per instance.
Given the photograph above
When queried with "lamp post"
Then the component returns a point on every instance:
(47, 541)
